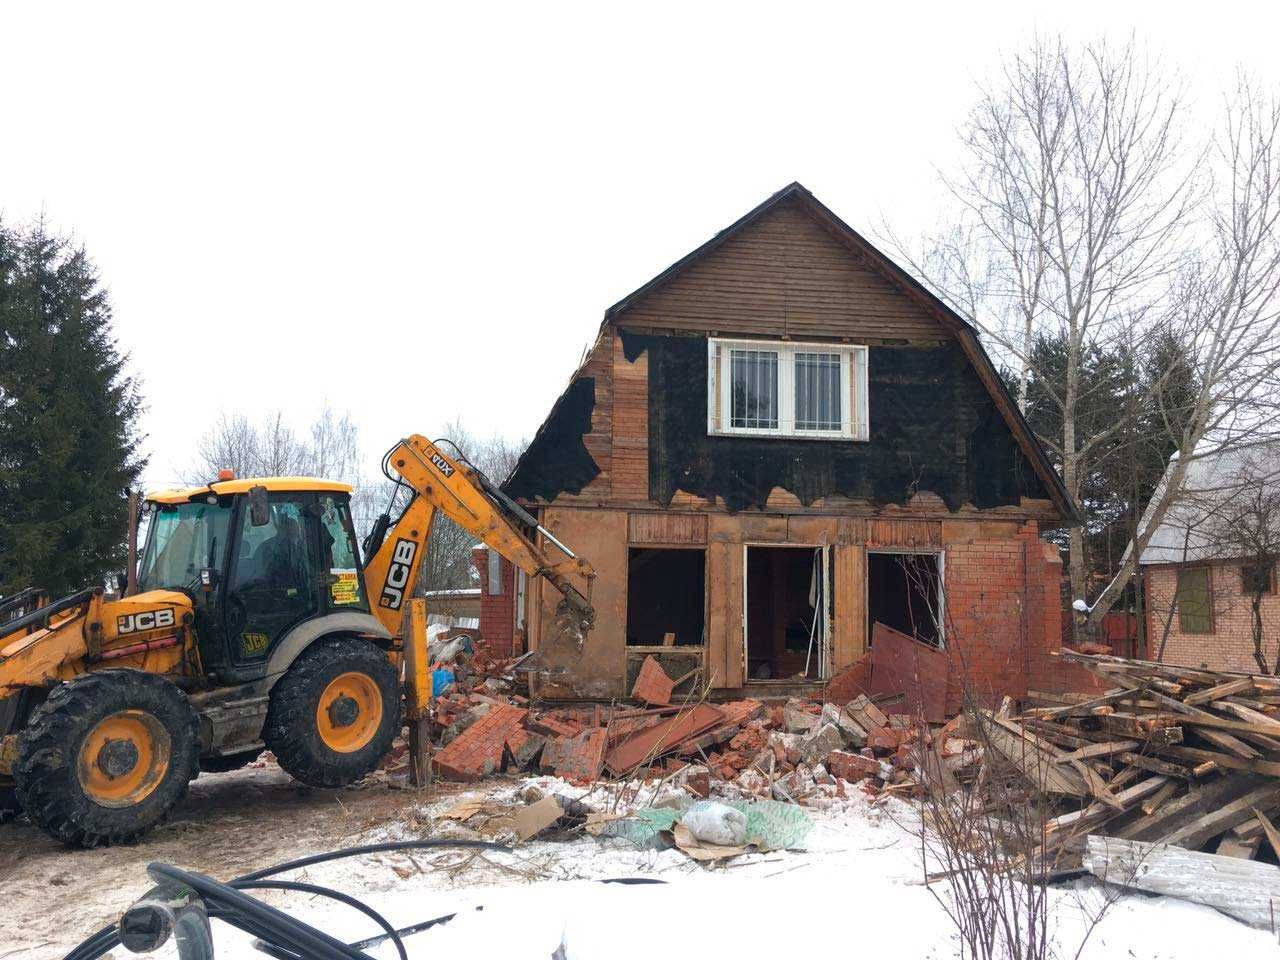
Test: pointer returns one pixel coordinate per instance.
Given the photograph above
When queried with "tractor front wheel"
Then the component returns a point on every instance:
(106, 757)
(332, 716)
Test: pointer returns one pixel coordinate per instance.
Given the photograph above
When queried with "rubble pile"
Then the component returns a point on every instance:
(1165, 755)
(787, 751)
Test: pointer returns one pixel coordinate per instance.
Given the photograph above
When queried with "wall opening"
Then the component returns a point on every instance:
(666, 594)
(786, 613)
(904, 591)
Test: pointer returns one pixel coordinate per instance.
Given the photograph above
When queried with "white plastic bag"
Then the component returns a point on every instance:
(713, 822)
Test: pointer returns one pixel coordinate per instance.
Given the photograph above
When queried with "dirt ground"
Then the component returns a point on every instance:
(229, 824)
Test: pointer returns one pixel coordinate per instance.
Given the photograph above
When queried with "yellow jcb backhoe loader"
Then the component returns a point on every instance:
(254, 625)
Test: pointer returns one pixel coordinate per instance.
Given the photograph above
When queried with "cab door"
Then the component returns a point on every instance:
(275, 576)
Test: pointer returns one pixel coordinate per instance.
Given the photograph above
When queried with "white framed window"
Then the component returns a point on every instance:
(773, 388)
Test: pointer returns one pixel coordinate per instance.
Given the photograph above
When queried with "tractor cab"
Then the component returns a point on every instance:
(258, 557)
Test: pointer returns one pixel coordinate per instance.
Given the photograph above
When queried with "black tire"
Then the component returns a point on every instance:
(50, 774)
(292, 730)
(15, 710)
(232, 761)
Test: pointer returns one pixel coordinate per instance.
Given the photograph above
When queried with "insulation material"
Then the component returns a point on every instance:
(557, 460)
(934, 428)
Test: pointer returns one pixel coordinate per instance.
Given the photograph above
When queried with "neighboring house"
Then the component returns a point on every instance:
(1200, 575)
(778, 441)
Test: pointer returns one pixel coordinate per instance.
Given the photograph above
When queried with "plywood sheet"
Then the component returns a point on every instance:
(902, 664)
(601, 537)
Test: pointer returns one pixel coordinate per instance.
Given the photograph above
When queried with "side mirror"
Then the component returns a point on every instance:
(259, 512)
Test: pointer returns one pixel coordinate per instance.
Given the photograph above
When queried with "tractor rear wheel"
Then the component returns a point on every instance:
(332, 716)
(106, 757)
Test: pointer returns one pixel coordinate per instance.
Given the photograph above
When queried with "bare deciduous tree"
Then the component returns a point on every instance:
(1084, 215)
(1228, 310)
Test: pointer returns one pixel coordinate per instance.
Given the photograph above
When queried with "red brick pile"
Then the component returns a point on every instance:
(782, 749)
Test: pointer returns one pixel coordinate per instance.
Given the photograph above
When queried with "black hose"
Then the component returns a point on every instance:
(369, 848)
(108, 938)
(280, 928)
(225, 902)
(391, 933)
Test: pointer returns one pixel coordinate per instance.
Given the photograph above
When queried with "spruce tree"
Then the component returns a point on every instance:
(69, 443)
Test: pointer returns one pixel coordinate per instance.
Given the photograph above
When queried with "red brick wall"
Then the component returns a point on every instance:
(1230, 644)
(497, 611)
(1005, 618)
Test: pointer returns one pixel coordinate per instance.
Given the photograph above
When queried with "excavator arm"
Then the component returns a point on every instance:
(462, 493)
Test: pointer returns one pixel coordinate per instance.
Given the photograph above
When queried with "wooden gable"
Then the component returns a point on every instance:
(788, 268)
(784, 275)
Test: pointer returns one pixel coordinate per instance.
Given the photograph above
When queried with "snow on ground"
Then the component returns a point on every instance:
(855, 889)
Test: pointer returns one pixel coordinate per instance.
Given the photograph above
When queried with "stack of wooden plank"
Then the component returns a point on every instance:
(1166, 754)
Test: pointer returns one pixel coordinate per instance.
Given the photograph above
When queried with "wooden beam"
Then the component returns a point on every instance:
(1269, 829)
(1239, 685)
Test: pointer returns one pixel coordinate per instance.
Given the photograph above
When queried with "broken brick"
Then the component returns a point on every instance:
(478, 750)
(653, 686)
(577, 759)
(852, 766)
(524, 747)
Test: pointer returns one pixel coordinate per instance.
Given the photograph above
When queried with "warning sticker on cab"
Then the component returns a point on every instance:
(345, 587)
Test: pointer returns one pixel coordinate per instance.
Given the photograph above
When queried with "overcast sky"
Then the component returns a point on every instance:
(417, 213)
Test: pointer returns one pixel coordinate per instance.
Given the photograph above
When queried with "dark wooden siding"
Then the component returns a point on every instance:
(785, 276)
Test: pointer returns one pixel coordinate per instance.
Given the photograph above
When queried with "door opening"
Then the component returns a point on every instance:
(666, 594)
(904, 591)
(787, 590)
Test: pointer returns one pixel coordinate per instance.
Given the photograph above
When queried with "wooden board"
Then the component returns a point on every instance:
(675, 528)
(724, 614)
(850, 589)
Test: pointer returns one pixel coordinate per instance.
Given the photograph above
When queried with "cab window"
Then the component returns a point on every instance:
(338, 550)
(274, 584)
(182, 540)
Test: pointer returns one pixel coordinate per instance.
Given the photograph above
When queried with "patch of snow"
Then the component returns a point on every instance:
(856, 889)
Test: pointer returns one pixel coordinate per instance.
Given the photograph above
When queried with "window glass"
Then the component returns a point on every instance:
(754, 389)
(338, 545)
(276, 557)
(817, 384)
(787, 389)
(495, 572)
(183, 539)
(1195, 600)
(1257, 578)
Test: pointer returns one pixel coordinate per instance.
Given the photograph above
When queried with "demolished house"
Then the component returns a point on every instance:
(773, 446)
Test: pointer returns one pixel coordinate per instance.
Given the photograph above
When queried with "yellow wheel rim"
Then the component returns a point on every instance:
(349, 712)
(124, 758)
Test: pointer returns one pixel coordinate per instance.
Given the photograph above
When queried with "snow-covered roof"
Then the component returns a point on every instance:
(1189, 532)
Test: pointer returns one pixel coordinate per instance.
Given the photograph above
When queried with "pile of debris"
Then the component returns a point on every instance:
(1166, 755)
(787, 751)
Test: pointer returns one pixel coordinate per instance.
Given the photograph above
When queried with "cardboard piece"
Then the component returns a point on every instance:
(529, 821)
(704, 852)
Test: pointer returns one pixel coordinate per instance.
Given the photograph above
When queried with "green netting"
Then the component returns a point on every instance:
(773, 825)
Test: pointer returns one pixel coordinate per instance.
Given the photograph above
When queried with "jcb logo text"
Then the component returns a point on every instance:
(147, 620)
(398, 574)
